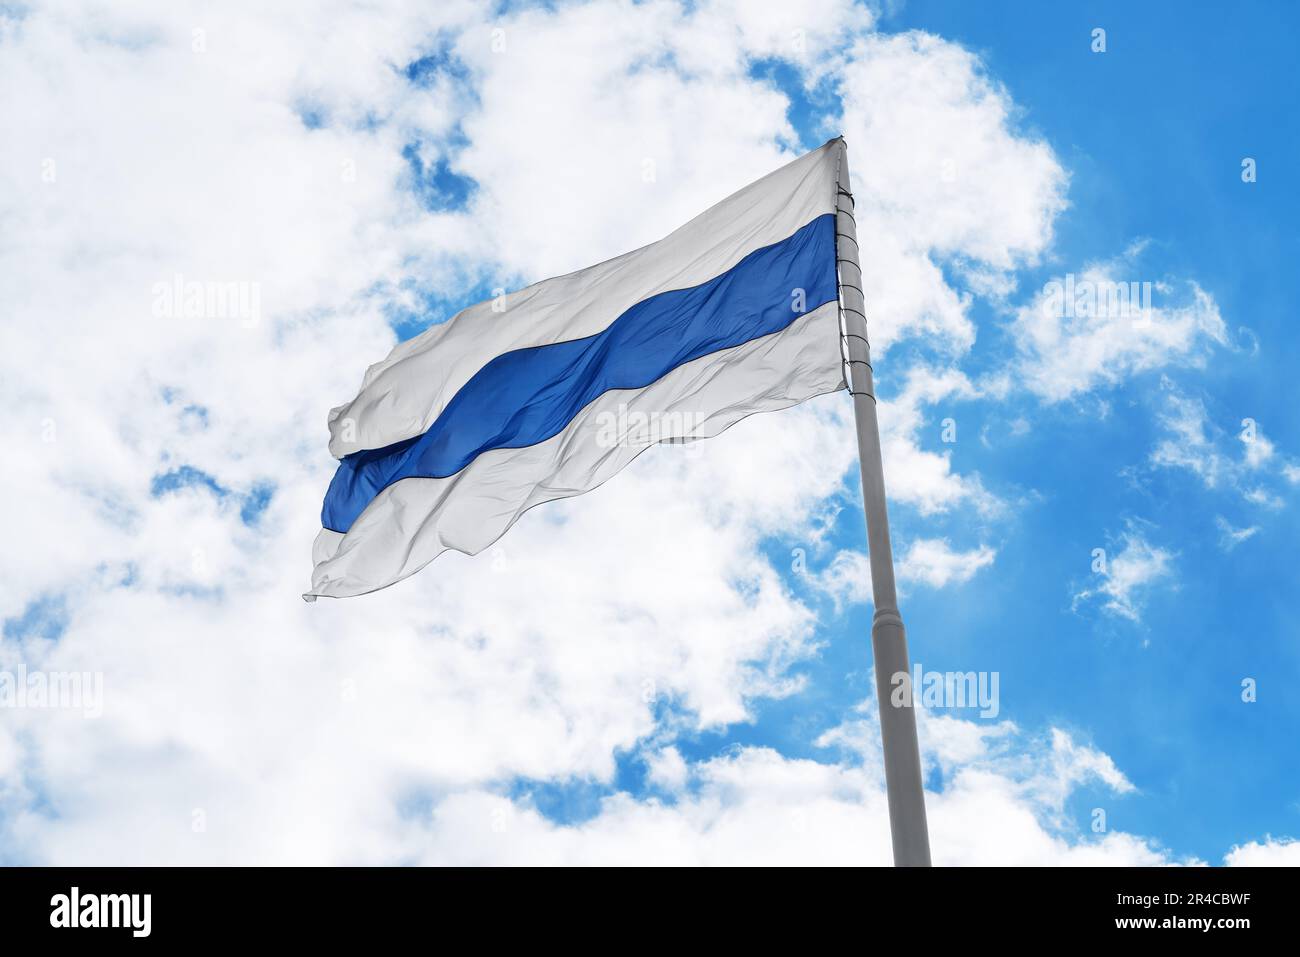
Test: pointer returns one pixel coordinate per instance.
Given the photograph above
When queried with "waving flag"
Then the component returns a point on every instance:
(548, 392)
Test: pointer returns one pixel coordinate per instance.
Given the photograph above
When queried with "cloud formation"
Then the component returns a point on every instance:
(1107, 324)
(754, 806)
(1128, 576)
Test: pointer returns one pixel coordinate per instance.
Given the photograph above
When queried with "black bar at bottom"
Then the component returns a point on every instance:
(337, 906)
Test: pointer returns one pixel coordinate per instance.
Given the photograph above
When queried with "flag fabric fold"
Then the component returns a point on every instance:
(549, 393)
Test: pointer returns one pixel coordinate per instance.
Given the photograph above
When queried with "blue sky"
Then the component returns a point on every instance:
(1153, 132)
(496, 708)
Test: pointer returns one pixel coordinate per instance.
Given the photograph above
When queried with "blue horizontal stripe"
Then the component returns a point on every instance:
(527, 396)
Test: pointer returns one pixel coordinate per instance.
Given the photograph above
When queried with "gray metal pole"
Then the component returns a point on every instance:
(888, 639)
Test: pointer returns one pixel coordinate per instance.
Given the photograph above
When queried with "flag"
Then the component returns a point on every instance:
(548, 392)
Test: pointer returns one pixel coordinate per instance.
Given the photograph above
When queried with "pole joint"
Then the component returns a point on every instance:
(885, 618)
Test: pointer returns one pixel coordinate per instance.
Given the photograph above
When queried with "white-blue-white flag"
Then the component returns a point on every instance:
(549, 393)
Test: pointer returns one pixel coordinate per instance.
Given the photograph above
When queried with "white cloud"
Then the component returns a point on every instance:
(931, 562)
(1187, 444)
(1256, 451)
(941, 175)
(668, 770)
(943, 151)
(934, 562)
(1001, 804)
(919, 477)
(1264, 498)
(1229, 536)
(1194, 442)
(847, 579)
(1270, 852)
(1100, 327)
(1129, 576)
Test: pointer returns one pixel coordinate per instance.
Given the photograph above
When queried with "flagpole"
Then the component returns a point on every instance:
(903, 783)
